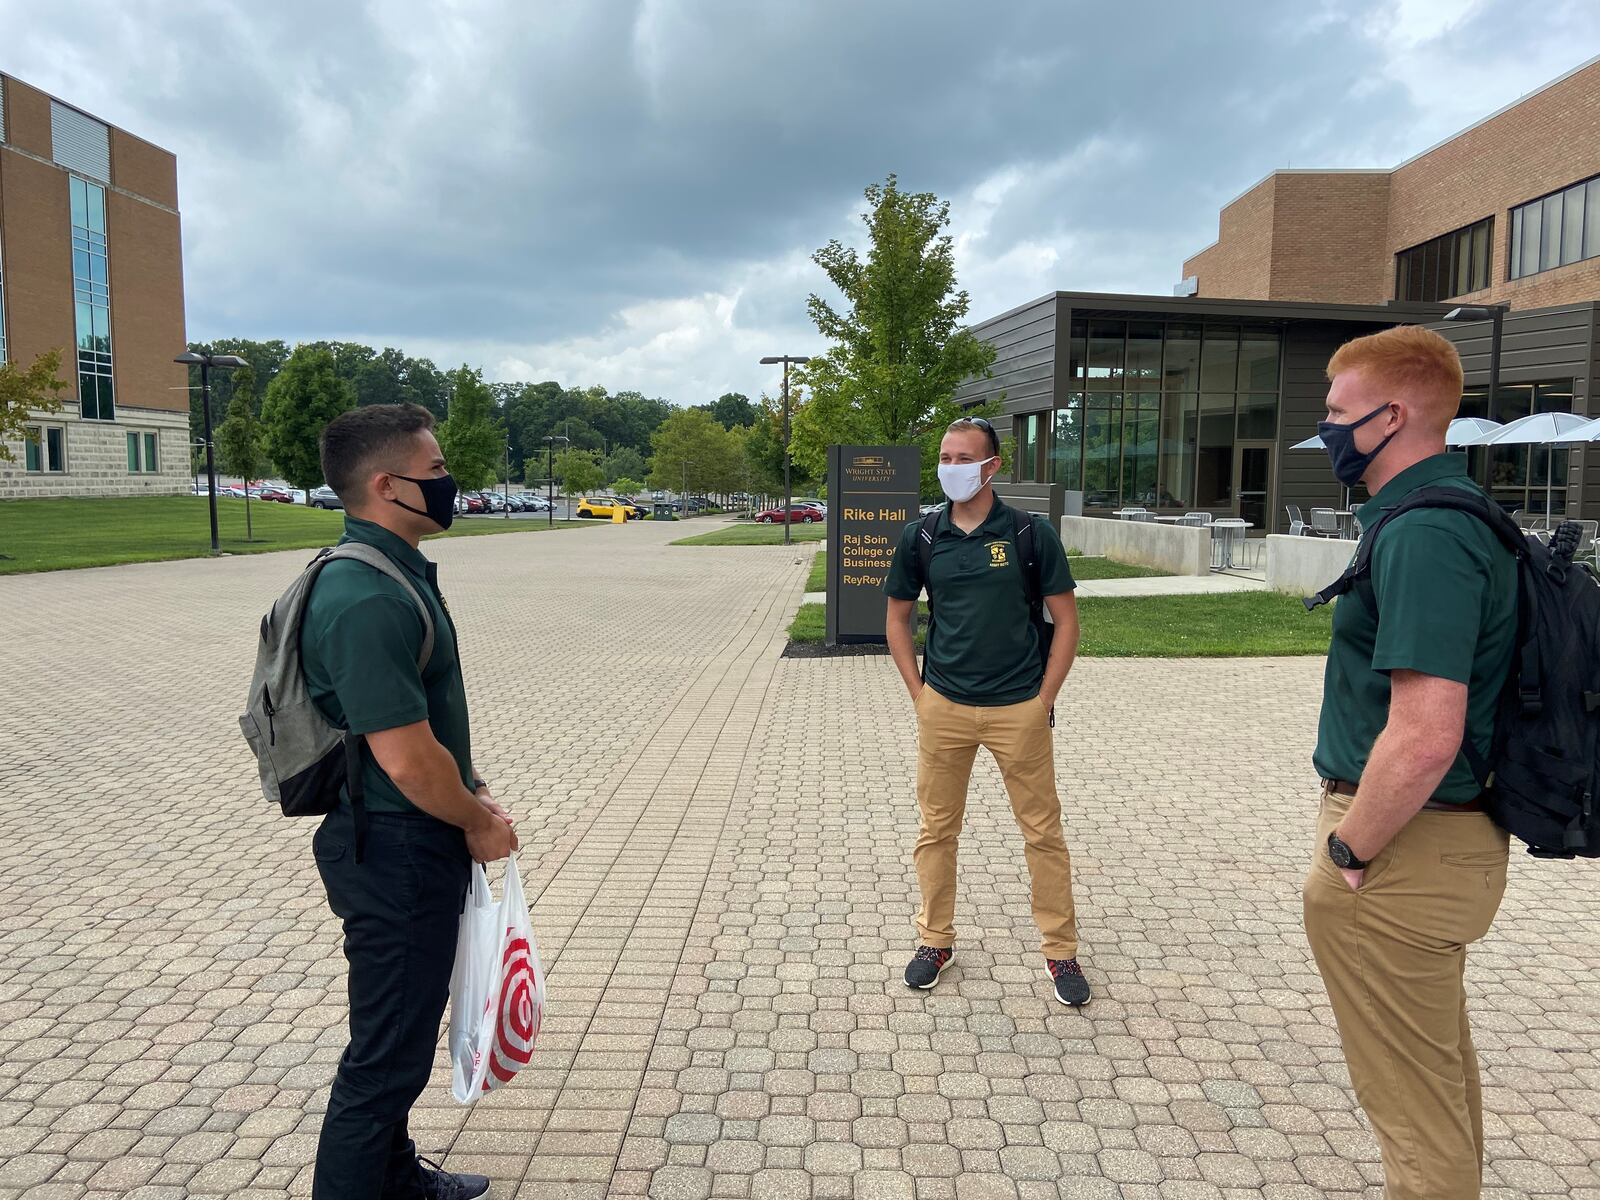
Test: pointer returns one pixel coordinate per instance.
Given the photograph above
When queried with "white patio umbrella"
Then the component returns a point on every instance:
(1465, 431)
(1539, 429)
(1314, 442)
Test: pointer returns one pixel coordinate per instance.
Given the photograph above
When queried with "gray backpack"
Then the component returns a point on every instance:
(303, 757)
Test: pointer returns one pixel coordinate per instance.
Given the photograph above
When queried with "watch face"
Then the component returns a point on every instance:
(1339, 852)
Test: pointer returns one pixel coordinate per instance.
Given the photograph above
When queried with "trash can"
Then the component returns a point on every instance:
(663, 511)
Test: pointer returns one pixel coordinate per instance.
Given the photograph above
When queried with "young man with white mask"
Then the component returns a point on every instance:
(991, 674)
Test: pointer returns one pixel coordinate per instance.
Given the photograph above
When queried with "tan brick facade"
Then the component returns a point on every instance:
(146, 281)
(1333, 235)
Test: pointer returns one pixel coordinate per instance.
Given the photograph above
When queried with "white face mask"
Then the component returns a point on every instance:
(962, 481)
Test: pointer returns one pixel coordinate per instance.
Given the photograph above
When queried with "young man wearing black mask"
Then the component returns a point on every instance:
(396, 873)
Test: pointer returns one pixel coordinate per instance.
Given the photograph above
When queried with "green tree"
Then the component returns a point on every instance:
(578, 469)
(898, 350)
(306, 394)
(625, 462)
(691, 450)
(626, 485)
(732, 410)
(266, 359)
(239, 439)
(25, 391)
(473, 441)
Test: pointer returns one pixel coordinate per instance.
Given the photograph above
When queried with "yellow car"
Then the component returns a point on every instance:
(598, 508)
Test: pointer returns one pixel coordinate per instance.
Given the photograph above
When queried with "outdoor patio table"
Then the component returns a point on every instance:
(1347, 523)
(1224, 551)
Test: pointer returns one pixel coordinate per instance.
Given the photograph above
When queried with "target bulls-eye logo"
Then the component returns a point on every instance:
(516, 1025)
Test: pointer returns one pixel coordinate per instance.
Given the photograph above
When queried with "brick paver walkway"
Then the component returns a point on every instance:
(716, 842)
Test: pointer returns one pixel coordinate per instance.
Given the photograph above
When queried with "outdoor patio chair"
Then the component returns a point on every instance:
(1195, 520)
(1297, 523)
(1145, 516)
(1324, 523)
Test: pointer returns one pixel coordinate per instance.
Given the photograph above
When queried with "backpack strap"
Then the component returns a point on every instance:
(1357, 577)
(379, 561)
(355, 781)
(1473, 504)
(1027, 543)
(927, 529)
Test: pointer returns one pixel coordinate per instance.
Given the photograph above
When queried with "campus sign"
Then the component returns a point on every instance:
(872, 496)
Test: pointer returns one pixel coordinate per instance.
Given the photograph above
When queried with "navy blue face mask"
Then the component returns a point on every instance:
(1349, 464)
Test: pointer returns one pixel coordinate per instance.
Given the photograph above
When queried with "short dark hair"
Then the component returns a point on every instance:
(981, 424)
(353, 442)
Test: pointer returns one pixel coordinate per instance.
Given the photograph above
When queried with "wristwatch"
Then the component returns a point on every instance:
(1343, 857)
(477, 784)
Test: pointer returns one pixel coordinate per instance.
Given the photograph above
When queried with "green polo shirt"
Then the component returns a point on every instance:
(1446, 593)
(983, 649)
(359, 645)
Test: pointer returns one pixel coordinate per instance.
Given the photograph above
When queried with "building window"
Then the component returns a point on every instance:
(91, 293)
(142, 454)
(1556, 230)
(1170, 441)
(1030, 429)
(1522, 478)
(44, 449)
(1452, 265)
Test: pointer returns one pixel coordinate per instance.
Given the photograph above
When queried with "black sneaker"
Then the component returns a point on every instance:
(927, 964)
(1071, 987)
(439, 1184)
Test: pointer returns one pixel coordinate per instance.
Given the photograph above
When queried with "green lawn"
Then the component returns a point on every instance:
(55, 535)
(817, 581)
(1109, 568)
(1233, 625)
(754, 535)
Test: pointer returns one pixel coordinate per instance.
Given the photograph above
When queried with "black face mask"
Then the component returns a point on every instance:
(1349, 464)
(439, 495)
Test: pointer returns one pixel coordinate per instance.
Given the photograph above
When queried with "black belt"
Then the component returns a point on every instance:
(1339, 787)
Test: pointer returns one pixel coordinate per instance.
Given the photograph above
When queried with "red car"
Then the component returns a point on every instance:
(798, 514)
(272, 493)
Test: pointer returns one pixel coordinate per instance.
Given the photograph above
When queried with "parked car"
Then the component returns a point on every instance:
(534, 502)
(799, 514)
(597, 508)
(325, 497)
(636, 510)
(469, 502)
(275, 494)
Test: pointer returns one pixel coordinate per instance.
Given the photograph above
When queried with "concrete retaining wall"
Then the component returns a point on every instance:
(1178, 549)
(1303, 565)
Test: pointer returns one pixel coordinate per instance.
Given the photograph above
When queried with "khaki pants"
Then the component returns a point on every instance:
(1018, 735)
(1393, 956)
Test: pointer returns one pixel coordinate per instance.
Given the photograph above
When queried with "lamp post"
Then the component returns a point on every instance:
(788, 498)
(505, 490)
(687, 463)
(227, 362)
(550, 441)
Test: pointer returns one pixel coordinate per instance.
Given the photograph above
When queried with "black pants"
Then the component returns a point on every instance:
(400, 908)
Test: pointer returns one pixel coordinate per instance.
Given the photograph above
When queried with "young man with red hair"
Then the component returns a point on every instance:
(1408, 868)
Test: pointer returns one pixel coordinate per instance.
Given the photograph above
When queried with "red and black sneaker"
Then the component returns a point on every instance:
(1071, 987)
(927, 964)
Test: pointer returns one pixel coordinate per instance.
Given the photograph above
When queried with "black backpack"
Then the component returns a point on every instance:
(1543, 769)
(1022, 537)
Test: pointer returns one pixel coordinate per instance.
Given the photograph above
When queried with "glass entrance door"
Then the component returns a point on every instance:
(1252, 483)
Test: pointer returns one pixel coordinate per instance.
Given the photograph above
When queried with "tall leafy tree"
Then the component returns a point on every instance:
(898, 350)
(624, 463)
(732, 410)
(239, 439)
(306, 394)
(266, 359)
(25, 391)
(472, 438)
(691, 448)
(578, 469)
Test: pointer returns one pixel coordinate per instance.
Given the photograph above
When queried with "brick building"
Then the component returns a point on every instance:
(1507, 212)
(91, 263)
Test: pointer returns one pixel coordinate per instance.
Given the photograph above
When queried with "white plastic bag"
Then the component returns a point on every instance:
(496, 989)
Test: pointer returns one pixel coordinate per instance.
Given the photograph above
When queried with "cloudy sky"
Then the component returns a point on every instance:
(627, 192)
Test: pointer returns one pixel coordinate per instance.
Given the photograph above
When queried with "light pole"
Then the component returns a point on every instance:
(550, 473)
(788, 499)
(505, 490)
(687, 463)
(227, 362)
